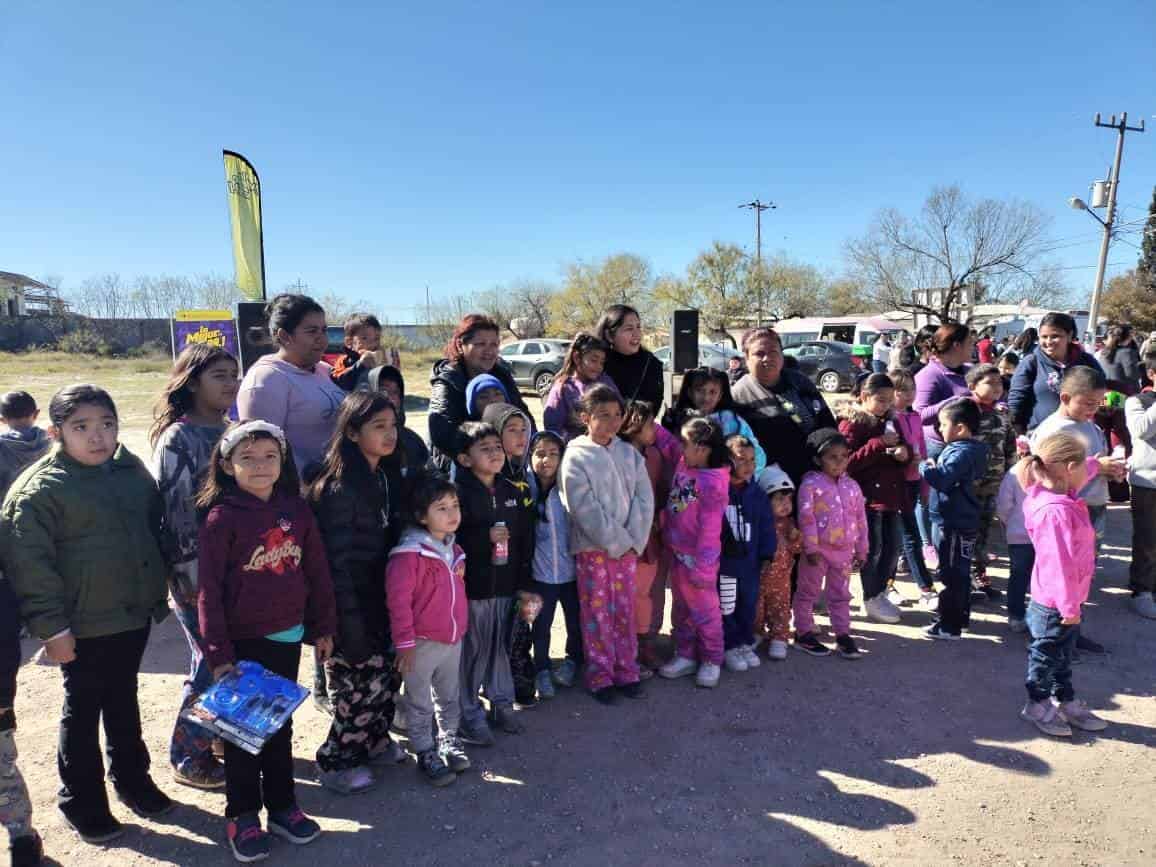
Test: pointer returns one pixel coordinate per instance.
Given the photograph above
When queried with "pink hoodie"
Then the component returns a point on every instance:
(693, 516)
(1065, 543)
(911, 430)
(833, 517)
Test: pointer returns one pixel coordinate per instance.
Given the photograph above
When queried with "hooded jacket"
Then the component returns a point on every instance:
(911, 430)
(262, 570)
(480, 383)
(19, 449)
(425, 585)
(482, 508)
(447, 407)
(1140, 413)
(416, 451)
(832, 517)
(1035, 388)
(1125, 372)
(693, 515)
(1065, 543)
(881, 478)
(752, 526)
(560, 409)
(515, 469)
(607, 492)
(995, 432)
(954, 479)
(81, 546)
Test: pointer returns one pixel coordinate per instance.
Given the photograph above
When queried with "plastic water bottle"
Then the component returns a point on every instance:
(501, 549)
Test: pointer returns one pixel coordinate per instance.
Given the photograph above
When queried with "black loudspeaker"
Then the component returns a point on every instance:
(253, 338)
(684, 340)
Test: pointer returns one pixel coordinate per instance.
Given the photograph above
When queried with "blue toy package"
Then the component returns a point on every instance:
(247, 706)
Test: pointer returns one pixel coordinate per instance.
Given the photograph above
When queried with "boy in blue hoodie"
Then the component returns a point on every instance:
(748, 542)
(481, 391)
(955, 511)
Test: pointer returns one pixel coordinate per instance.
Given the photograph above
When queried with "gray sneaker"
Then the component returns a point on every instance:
(1046, 717)
(450, 751)
(1076, 714)
(351, 781)
(1144, 605)
(545, 685)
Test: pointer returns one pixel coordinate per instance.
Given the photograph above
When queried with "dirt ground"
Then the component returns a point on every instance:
(913, 755)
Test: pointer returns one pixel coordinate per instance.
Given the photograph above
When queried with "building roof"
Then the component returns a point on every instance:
(21, 280)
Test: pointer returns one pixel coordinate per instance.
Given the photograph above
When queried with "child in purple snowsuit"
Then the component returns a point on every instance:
(692, 530)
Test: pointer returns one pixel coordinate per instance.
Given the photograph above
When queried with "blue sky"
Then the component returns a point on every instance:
(465, 145)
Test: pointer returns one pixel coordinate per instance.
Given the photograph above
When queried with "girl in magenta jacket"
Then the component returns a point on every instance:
(1058, 525)
(428, 615)
(692, 530)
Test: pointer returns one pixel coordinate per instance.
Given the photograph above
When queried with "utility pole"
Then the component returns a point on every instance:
(758, 207)
(1113, 184)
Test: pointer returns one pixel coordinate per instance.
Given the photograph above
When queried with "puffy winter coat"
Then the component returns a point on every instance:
(882, 479)
(832, 517)
(954, 479)
(425, 585)
(607, 491)
(482, 508)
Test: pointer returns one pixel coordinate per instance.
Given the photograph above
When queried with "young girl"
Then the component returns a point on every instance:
(1058, 525)
(692, 529)
(641, 430)
(583, 368)
(1020, 553)
(554, 575)
(264, 588)
(911, 430)
(773, 614)
(357, 502)
(879, 461)
(428, 612)
(833, 521)
(78, 540)
(190, 417)
(708, 392)
(607, 493)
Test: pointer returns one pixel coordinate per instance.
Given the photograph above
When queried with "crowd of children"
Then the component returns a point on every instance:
(397, 575)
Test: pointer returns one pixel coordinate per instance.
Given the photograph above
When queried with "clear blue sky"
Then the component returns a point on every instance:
(465, 145)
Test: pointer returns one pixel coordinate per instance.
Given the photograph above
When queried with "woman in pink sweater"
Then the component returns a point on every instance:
(1058, 525)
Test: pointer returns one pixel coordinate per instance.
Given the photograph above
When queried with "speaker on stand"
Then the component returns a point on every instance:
(253, 337)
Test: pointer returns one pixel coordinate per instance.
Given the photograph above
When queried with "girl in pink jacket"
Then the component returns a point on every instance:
(428, 614)
(692, 531)
(1058, 525)
(833, 521)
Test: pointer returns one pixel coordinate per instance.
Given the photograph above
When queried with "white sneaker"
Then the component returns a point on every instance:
(894, 596)
(708, 674)
(752, 658)
(735, 660)
(1144, 605)
(929, 600)
(680, 666)
(778, 650)
(880, 610)
(1014, 624)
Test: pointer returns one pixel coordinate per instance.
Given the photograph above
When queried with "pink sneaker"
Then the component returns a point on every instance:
(930, 557)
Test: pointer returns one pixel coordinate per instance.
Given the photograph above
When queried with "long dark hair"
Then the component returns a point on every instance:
(343, 459)
(638, 415)
(612, 319)
(581, 344)
(218, 483)
(1026, 341)
(700, 430)
(684, 405)
(1116, 336)
(176, 399)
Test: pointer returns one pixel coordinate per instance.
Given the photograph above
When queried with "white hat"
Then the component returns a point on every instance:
(772, 480)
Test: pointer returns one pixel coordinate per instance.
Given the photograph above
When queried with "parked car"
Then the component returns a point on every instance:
(534, 363)
(709, 355)
(828, 363)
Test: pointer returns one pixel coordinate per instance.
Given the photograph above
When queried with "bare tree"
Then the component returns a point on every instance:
(104, 296)
(793, 288)
(992, 247)
(588, 288)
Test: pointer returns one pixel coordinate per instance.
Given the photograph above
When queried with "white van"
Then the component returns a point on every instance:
(856, 330)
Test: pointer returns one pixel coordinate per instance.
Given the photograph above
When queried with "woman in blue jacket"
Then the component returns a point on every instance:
(1035, 388)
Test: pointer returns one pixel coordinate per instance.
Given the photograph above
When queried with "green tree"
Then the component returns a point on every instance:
(793, 288)
(1128, 299)
(845, 296)
(588, 288)
(719, 282)
(1147, 264)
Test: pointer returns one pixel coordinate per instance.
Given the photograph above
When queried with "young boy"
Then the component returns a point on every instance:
(1140, 412)
(497, 537)
(996, 432)
(388, 379)
(481, 391)
(748, 545)
(955, 509)
(773, 614)
(15, 806)
(362, 340)
(515, 429)
(1081, 392)
(23, 442)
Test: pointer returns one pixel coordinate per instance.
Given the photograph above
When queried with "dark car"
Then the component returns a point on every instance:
(535, 362)
(828, 363)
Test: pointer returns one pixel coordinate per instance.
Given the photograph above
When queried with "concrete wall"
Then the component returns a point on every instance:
(25, 331)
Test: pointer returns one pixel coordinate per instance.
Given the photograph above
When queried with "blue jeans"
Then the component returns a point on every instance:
(1023, 558)
(922, 510)
(1099, 516)
(955, 548)
(884, 531)
(552, 594)
(191, 741)
(878, 366)
(1050, 655)
(913, 542)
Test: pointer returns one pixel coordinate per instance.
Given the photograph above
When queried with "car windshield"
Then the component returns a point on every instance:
(839, 346)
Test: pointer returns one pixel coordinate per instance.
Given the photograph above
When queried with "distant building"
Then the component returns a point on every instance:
(20, 295)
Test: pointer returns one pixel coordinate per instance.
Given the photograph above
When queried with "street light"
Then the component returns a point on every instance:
(1078, 204)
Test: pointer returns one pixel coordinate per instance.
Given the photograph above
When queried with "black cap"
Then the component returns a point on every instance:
(822, 439)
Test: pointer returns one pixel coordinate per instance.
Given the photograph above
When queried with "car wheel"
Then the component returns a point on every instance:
(829, 381)
(543, 380)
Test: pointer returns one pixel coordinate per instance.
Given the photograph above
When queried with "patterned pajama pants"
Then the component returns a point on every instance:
(773, 614)
(606, 602)
(190, 741)
(15, 807)
(695, 615)
(837, 574)
(363, 699)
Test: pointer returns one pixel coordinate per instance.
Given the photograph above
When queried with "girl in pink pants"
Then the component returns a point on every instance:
(692, 529)
(833, 521)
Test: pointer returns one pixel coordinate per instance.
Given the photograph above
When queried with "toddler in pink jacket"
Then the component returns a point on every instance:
(1060, 529)
(833, 521)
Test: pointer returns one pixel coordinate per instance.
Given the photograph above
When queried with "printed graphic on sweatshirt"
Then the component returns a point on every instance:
(278, 552)
(682, 496)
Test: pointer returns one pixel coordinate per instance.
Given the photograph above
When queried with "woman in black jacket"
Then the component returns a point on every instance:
(358, 500)
(636, 372)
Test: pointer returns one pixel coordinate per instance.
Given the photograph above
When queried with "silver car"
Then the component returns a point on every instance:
(709, 355)
(534, 362)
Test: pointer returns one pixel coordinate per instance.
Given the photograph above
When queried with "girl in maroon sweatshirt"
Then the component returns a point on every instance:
(264, 588)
